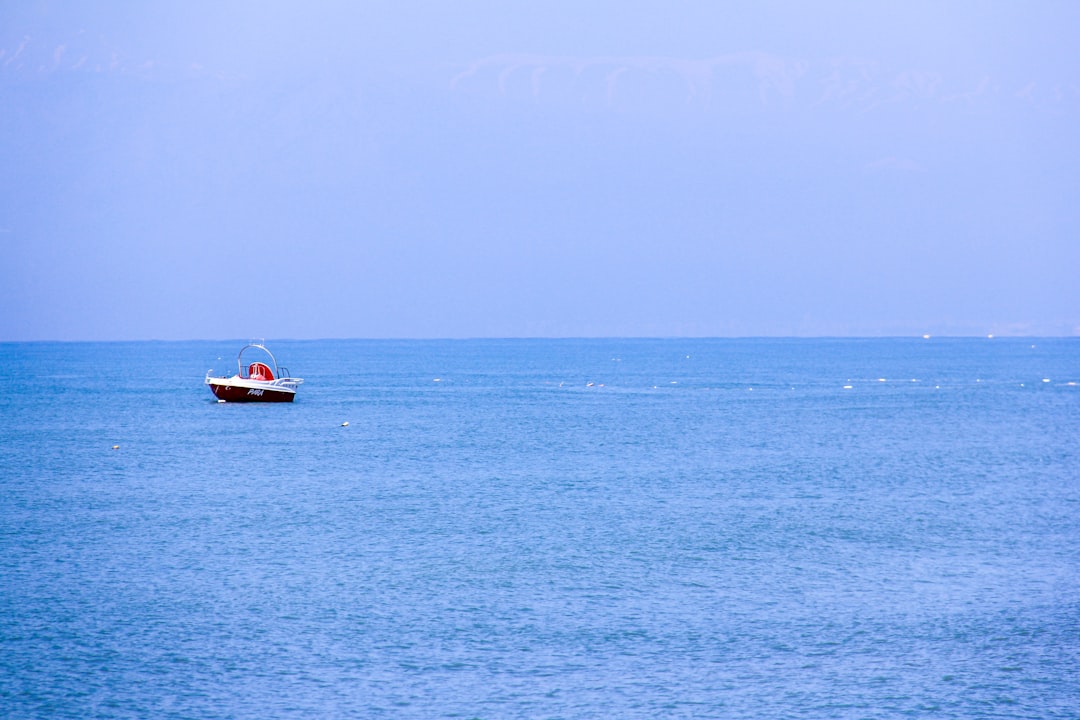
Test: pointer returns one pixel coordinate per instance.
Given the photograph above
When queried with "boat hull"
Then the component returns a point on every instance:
(243, 390)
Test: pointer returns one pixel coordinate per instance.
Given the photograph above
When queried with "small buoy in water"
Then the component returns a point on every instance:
(345, 424)
(847, 387)
(221, 401)
(115, 447)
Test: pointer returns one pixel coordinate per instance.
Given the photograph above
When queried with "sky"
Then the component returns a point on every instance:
(236, 170)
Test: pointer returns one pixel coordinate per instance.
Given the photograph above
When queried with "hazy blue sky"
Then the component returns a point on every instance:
(465, 169)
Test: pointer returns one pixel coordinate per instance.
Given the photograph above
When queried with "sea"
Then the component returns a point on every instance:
(557, 528)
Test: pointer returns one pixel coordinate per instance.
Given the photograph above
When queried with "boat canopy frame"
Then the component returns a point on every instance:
(280, 372)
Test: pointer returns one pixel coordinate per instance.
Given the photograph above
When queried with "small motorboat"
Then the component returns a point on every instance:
(256, 380)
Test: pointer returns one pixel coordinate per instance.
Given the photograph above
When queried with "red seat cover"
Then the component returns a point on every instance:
(260, 371)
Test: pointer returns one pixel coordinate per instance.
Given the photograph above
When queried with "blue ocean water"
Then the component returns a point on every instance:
(544, 529)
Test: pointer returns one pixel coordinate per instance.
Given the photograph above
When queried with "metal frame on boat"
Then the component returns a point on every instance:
(259, 381)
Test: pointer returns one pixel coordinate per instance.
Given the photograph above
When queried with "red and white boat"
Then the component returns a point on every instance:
(259, 381)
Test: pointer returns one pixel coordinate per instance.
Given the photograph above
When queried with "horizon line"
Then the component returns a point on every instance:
(924, 337)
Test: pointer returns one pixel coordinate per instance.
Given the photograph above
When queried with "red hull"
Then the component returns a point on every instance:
(229, 393)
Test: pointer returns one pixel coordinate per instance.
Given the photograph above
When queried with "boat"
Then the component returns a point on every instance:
(258, 378)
